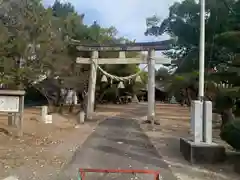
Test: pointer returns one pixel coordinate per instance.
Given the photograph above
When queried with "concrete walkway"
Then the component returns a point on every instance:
(117, 144)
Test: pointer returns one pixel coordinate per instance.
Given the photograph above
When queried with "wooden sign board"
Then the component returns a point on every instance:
(9, 103)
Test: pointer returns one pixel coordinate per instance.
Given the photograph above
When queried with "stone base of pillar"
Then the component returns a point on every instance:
(201, 153)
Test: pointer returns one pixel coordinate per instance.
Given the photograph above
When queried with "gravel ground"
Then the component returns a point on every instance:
(166, 139)
(44, 149)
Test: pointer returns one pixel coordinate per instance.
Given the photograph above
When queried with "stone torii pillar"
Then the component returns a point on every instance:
(92, 85)
(151, 86)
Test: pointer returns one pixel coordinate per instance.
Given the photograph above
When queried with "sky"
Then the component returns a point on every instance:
(127, 16)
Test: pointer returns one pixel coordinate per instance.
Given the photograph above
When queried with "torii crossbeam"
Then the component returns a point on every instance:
(149, 59)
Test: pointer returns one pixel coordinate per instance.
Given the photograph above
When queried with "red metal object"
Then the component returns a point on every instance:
(128, 171)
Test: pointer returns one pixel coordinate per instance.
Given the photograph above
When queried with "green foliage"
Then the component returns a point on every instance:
(162, 73)
(34, 41)
(223, 101)
(231, 134)
(222, 53)
(75, 29)
(222, 32)
(62, 9)
(110, 93)
(222, 38)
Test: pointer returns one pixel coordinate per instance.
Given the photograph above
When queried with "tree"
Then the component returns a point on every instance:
(162, 73)
(183, 24)
(62, 9)
(222, 49)
(33, 41)
(38, 43)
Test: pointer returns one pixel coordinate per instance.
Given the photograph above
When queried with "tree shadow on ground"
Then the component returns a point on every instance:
(135, 143)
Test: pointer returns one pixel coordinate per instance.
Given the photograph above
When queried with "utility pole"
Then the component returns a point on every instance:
(202, 51)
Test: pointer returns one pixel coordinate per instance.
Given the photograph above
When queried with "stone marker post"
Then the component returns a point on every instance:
(201, 149)
(81, 117)
(207, 122)
(44, 113)
(197, 121)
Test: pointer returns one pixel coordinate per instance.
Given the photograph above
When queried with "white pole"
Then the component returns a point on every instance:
(202, 51)
(201, 119)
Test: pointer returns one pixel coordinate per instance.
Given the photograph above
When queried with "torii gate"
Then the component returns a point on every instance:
(149, 59)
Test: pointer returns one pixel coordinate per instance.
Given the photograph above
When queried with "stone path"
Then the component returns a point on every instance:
(117, 143)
